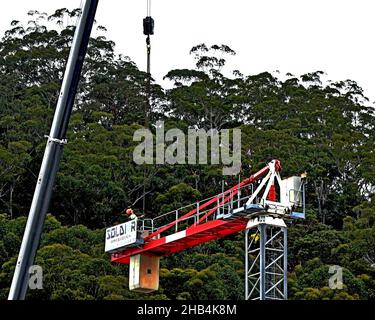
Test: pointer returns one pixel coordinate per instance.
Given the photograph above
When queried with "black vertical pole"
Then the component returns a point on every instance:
(54, 148)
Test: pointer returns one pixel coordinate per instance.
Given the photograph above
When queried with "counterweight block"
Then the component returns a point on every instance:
(144, 273)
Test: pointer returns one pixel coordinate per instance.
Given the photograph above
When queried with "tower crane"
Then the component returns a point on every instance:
(247, 206)
(258, 205)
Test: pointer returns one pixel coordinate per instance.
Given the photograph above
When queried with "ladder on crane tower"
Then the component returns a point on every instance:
(250, 205)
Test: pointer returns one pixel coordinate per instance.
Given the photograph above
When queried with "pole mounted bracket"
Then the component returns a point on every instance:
(57, 141)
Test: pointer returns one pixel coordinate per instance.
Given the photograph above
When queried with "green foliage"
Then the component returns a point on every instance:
(324, 128)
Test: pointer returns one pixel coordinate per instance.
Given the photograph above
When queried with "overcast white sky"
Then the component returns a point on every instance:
(297, 36)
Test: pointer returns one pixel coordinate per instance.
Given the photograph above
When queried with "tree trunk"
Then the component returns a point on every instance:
(319, 191)
(11, 201)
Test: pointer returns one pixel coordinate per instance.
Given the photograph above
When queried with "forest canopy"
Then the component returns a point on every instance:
(325, 128)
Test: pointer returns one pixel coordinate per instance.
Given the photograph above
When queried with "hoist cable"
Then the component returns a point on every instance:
(148, 31)
(148, 8)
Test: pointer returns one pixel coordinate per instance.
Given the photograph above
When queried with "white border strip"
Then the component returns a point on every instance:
(176, 236)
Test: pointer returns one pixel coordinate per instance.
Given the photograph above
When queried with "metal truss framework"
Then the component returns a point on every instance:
(266, 262)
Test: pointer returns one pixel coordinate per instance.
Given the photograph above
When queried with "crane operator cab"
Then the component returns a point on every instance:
(279, 197)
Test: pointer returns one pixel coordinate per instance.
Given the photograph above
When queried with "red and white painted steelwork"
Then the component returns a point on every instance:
(207, 224)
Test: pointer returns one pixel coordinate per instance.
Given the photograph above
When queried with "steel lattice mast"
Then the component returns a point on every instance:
(266, 256)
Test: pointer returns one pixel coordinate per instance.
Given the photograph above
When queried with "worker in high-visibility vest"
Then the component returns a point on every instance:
(130, 214)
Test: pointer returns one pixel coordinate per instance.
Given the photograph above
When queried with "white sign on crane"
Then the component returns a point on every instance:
(120, 236)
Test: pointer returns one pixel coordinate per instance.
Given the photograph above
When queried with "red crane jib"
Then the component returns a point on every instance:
(197, 233)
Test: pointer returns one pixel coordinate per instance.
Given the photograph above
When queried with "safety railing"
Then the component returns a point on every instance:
(218, 206)
(175, 220)
(298, 201)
